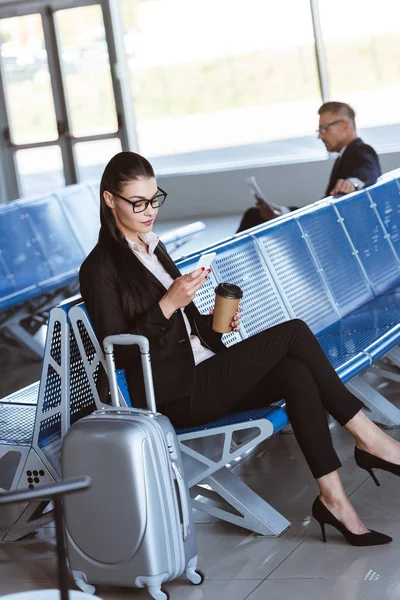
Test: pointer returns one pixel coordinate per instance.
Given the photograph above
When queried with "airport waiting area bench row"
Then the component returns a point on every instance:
(43, 241)
(334, 264)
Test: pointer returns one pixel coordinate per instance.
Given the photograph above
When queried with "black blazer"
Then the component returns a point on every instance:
(172, 360)
(358, 160)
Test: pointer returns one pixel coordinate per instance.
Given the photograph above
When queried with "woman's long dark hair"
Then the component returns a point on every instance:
(123, 168)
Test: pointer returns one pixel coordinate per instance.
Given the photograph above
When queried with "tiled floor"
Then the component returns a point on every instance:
(239, 565)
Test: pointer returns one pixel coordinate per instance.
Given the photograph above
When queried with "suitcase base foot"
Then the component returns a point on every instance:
(82, 583)
(153, 584)
(158, 593)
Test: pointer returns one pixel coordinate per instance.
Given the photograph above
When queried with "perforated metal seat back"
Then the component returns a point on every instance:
(20, 253)
(60, 388)
(369, 239)
(205, 297)
(82, 400)
(51, 384)
(386, 198)
(334, 255)
(299, 280)
(17, 423)
(83, 214)
(53, 232)
(240, 262)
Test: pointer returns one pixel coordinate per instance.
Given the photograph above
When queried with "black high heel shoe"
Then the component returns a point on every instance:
(368, 461)
(325, 517)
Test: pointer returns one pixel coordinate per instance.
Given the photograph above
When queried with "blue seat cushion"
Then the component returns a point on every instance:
(275, 413)
(373, 328)
(345, 356)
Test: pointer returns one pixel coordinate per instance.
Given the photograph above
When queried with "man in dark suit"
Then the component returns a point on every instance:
(356, 166)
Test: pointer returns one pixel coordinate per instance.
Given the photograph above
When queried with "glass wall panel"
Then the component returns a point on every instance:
(362, 43)
(92, 157)
(217, 73)
(85, 60)
(27, 80)
(40, 170)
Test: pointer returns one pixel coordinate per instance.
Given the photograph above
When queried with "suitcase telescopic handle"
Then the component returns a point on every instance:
(128, 339)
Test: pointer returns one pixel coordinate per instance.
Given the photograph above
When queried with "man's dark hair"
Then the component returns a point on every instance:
(341, 109)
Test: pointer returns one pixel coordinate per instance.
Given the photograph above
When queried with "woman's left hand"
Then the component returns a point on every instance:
(236, 319)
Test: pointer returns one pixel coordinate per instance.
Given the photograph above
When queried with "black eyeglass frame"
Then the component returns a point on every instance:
(163, 194)
(324, 128)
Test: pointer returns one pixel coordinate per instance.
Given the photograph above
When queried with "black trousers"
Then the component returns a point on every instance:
(283, 362)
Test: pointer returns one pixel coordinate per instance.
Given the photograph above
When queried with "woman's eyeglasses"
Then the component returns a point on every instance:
(141, 205)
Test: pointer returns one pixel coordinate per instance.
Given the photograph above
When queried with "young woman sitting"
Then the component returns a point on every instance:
(131, 285)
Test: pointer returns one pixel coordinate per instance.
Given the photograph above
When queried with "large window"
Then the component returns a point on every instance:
(362, 46)
(86, 67)
(217, 73)
(192, 84)
(27, 79)
(63, 115)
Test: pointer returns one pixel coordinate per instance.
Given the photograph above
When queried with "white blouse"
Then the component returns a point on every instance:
(151, 262)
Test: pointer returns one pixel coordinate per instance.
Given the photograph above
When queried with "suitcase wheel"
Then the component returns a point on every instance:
(196, 577)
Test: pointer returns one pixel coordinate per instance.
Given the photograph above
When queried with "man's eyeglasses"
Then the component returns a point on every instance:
(141, 205)
(324, 128)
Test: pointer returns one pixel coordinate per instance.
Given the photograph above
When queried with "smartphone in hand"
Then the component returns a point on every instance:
(205, 261)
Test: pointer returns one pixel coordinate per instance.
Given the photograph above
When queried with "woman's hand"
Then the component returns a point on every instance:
(236, 319)
(182, 291)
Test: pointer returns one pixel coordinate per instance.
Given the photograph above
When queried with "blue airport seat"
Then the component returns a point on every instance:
(32, 422)
(303, 262)
(370, 242)
(299, 281)
(60, 247)
(345, 347)
(351, 368)
(204, 298)
(240, 262)
(7, 290)
(335, 258)
(386, 198)
(22, 259)
(82, 212)
(276, 414)
(380, 314)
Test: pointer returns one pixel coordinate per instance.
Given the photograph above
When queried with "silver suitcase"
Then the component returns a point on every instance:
(134, 526)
